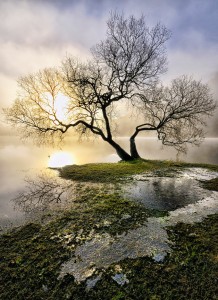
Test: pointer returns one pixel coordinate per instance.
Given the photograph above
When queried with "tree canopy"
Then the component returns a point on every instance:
(124, 68)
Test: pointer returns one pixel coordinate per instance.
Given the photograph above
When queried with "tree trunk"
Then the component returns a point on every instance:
(133, 149)
(120, 151)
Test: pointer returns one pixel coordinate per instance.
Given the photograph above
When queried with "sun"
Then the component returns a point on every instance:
(60, 159)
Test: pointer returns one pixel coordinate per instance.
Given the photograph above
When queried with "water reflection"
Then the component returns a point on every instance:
(165, 193)
(177, 189)
(46, 194)
(18, 160)
(41, 192)
(40, 197)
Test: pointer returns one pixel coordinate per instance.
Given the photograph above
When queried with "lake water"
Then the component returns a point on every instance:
(18, 161)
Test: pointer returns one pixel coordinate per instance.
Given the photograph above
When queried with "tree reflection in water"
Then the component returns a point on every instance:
(44, 193)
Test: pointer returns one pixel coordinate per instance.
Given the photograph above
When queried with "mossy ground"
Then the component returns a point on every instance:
(190, 272)
(31, 256)
(211, 184)
(114, 172)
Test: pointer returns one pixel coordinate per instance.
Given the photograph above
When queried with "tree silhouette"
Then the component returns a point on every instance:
(124, 69)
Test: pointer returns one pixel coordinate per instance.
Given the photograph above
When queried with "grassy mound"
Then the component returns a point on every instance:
(113, 172)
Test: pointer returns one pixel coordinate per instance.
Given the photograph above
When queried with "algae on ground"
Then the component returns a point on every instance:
(30, 264)
(31, 257)
(211, 184)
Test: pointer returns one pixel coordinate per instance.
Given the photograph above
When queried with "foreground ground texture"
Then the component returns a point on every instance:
(33, 257)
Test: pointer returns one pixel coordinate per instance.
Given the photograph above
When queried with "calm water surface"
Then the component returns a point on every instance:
(18, 162)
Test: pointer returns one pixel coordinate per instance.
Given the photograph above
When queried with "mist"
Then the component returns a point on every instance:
(40, 34)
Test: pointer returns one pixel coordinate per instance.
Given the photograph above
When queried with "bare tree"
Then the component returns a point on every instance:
(125, 67)
(177, 113)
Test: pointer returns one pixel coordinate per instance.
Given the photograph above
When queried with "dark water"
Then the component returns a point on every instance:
(165, 194)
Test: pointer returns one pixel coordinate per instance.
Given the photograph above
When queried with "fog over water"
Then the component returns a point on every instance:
(18, 161)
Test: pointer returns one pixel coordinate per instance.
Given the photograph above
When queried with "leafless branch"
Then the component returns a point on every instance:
(125, 68)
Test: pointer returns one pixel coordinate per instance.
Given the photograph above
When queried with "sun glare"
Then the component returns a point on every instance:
(61, 107)
(60, 159)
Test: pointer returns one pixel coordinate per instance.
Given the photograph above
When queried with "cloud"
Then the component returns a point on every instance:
(42, 32)
(197, 62)
(35, 35)
(38, 34)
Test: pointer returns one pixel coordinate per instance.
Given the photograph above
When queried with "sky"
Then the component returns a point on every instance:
(35, 34)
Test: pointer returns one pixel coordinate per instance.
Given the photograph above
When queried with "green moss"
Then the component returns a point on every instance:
(190, 272)
(31, 256)
(211, 184)
(105, 172)
(104, 213)
(119, 296)
(113, 172)
(29, 260)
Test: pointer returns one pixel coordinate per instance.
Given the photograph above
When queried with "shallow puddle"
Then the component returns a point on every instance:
(169, 193)
(186, 201)
(103, 250)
